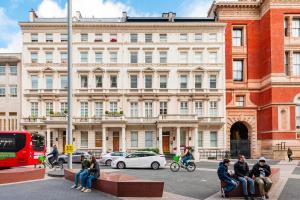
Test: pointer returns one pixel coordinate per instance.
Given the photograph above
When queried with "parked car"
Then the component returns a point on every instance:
(108, 158)
(140, 159)
(75, 157)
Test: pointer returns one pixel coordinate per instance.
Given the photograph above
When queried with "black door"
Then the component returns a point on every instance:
(239, 141)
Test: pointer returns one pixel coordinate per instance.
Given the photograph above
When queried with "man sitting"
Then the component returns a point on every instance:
(261, 170)
(85, 164)
(94, 173)
(224, 176)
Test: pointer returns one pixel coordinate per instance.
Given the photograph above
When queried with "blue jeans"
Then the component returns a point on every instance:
(185, 159)
(244, 183)
(83, 177)
(76, 177)
(90, 179)
(230, 185)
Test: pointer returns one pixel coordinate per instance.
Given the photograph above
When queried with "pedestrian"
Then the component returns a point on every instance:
(94, 173)
(289, 154)
(226, 177)
(241, 170)
(261, 170)
(85, 164)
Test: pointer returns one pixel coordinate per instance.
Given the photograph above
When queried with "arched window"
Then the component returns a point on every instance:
(298, 113)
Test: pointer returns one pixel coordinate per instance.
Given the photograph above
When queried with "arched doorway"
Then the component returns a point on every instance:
(239, 140)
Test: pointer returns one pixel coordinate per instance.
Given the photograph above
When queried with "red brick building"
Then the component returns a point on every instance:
(262, 75)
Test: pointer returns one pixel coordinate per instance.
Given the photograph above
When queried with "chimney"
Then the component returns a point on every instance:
(78, 15)
(32, 15)
(124, 16)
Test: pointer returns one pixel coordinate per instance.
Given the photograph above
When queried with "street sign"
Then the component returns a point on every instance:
(69, 148)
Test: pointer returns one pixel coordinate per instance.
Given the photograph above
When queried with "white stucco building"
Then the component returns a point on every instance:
(137, 82)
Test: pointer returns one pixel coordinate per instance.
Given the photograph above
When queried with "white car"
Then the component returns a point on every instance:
(140, 159)
(108, 158)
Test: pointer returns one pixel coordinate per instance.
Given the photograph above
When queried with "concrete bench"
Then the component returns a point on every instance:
(238, 192)
(122, 185)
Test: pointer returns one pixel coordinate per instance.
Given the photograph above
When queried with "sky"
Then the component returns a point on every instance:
(14, 11)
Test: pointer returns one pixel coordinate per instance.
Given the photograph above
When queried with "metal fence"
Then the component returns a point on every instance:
(214, 154)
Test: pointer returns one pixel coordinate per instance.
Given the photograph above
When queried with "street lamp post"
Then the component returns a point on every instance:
(69, 132)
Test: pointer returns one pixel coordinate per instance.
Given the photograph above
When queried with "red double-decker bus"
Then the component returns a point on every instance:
(20, 148)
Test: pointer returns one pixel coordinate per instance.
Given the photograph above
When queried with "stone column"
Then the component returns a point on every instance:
(104, 149)
(160, 140)
(178, 141)
(48, 140)
(123, 139)
(196, 152)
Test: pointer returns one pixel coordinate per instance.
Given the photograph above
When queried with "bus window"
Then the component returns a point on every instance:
(12, 142)
(38, 143)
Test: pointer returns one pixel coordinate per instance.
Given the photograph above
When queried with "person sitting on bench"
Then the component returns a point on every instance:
(85, 164)
(94, 173)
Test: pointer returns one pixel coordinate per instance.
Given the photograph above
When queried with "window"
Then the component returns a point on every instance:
(212, 81)
(13, 70)
(163, 108)
(34, 82)
(98, 37)
(213, 57)
(213, 108)
(163, 81)
(148, 139)
(200, 139)
(198, 57)
(148, 81)
(34, 57)
(182, 137)
(84, 37)
(238, 74)
(98, 57)
(63, 37)
(198, 37)
(134, 139)
(34, 37)
(84, 138)
(162, 57)
(163, 37)
(49, 57)
(113, 106)
(298, 113)
(49, 82)
(98, 109)
(113, 57)
(286, 26)
(64, 107)
(98, 79)
(133, 81)
(2, 91)
(34, 109)
(296, 27)
(13, 91)
(183, 81)
(184, 108)
(213, 139)
(113, 81)
(237, 37)
(2, 70)
(240, 101)
(296, 64)
(148, 109)
(83, 57)
(183, 57)
(98, 138)
(287, 63)
(84, 81)
(148, 57)
(213, 37)
(63, 82)
(148, 38)
(199, 108)
(113, 38)
(183, 37)
(49, 37)
(49, 108)
(133, 38)
(198, 81)
(84, 109)
(63, 57)
(133, 57)
(134, 109)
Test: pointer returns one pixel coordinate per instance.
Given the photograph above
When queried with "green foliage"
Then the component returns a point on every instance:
(155, 150)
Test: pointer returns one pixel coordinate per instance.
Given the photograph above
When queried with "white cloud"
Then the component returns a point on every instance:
(196, 8)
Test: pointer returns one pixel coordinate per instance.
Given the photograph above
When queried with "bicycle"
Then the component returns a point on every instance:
(54, 165)
(177, 164)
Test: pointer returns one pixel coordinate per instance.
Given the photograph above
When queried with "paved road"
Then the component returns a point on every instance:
(291, 190)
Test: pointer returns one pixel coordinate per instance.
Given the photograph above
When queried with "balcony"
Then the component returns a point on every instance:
(143, 120)
(213, 120)
(173, 118)
(33, 120)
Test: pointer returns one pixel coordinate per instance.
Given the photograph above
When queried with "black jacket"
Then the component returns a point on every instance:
(256, 170)
(54, 153)
(85, 164)
(223, 173)
(241, 169)
(95, 169)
